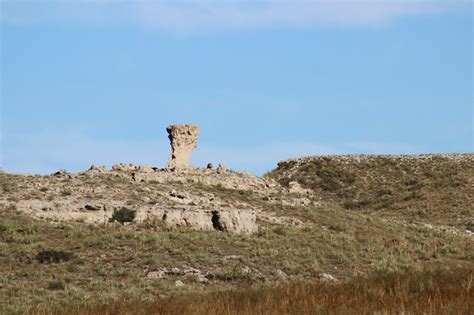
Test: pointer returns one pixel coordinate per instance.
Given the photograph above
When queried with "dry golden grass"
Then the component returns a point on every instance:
(433, 292)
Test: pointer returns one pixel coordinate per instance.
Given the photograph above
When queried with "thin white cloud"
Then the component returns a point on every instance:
(214, 16)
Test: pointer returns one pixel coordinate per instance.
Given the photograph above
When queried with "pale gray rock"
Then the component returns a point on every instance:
(229, 220)
(123, 167)
(281, 274)
(119, 167)
(183, 140)
(326, 277)
(221, 169)
(61, 172)
(97, 169)
(155, 274)
(295, 188)
(145, 169)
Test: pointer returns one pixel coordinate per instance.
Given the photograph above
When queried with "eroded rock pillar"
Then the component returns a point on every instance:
(183, 140)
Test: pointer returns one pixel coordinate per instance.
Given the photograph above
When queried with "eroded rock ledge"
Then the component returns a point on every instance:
(179, 195)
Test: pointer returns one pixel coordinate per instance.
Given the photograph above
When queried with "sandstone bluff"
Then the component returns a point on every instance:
(179, 195)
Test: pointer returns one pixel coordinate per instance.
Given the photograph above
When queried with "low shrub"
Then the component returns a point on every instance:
(123, 215)
(53, 256)
(56, 285)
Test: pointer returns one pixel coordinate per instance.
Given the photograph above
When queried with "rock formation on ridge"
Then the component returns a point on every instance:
(183, 139)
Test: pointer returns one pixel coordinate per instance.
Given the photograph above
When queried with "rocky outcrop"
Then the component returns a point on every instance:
(295, 188)
(198, 198)
(228, 220)
(183, 140)
(61, 172)
(97, 169)
(178, 272)
(145, 169)
(221, 169)
(122, 167)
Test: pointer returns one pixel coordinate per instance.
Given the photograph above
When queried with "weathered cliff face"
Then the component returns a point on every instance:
(228, 220)
(199, 199)
(183, 140)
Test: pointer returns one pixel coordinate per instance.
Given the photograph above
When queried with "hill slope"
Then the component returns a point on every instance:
(58, 249)
(436, 189)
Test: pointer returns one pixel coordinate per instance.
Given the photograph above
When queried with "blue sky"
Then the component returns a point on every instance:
(97, 82)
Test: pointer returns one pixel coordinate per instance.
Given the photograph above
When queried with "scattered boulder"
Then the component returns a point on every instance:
(221, 169)
(281, 274)
(179, 195)
(209, 196)
(195, 273)
(61, 172)
(326, 277)
(296, 202)
(145, 169)
(185, 272)
(122, 167)
(156, 274)
(119, 167)
(92, 208)
(246, 270)
(295, 188)
(97, 169)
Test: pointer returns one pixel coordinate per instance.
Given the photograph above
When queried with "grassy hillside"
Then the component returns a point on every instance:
(435, 189)
(337, 257)
(110, 263)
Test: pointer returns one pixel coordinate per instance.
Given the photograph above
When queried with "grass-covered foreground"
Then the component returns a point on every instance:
(377, 235)
(74, 267)
(434, 292)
